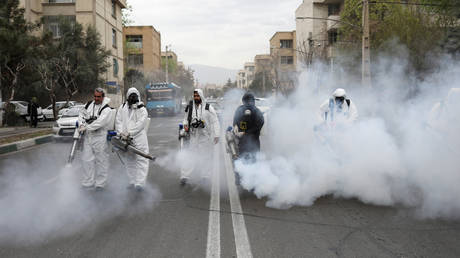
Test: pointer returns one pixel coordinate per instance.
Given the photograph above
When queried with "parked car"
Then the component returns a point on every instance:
(65, 126)
(21, 109)
(48, 111)
(64, 109)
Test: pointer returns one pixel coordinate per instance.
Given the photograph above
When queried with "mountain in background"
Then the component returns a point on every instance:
(213, 75)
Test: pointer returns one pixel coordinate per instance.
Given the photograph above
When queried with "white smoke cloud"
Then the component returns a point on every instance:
(388, 157)
(41, 200)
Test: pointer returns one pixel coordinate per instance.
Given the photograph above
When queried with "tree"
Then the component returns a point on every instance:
(184, 77)
(17, 46)
(419, 28)
(136, 79)
(261, 84)
(71, 63)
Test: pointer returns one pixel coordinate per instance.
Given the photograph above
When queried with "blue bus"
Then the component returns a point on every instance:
(163, 98)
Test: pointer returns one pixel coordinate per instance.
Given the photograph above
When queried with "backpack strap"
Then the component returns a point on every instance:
(87, 104)
(206, 107)
(189, 109)
(100, 111)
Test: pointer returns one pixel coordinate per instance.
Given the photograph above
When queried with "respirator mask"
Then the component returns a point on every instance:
(133, 99)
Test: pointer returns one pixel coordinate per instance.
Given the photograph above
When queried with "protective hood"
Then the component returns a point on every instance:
(200, 92)
(105, 101)
(133, 90)
(339, 93)
(248, 98)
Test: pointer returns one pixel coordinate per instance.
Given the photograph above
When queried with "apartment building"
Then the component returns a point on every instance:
(284, 52)
(245, 76)
(170, 54)
(263, 63)
(104, 15)
(241, 79)
(143, 48)
(316, 37)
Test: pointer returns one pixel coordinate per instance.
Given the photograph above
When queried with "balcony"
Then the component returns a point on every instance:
(134, 45)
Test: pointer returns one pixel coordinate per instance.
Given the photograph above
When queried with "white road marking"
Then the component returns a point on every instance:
(213, 244)
(243, 248)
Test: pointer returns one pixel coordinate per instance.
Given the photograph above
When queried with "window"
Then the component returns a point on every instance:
(115, 67)
(55, 29)
(158, 95)
(287, 60)
(134, 41)
(114, 9)
(114, 38)
(332, 36)
(52, 24)
(286, 43)
(333, 9)
(135, 59)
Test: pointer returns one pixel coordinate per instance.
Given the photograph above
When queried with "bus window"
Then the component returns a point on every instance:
(159, 95)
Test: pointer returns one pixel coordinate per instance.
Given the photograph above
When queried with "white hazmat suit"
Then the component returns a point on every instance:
(95, 155)
(132, 121)
(201, 137)
(333, 111)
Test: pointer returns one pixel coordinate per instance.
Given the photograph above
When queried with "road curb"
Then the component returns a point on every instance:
(19, 145)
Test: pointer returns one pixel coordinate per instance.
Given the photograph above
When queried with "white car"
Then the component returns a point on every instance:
(21, 109)
(48, 111)
(65, 126)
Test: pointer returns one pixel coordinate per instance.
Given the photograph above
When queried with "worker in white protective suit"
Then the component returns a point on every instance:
(202, 124)
(444, 116)
(338, 109)
(94, 121)
(131, 123)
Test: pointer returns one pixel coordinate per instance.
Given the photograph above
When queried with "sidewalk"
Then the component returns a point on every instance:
(17, 138)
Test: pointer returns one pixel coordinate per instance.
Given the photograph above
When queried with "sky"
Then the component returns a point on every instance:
(216, 32)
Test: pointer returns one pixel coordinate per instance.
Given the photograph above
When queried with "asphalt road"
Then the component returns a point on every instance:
(43, 213)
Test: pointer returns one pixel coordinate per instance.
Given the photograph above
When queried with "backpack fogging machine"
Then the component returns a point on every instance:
(183, 136)
(231, 139)
(126, 145)
(77, 144)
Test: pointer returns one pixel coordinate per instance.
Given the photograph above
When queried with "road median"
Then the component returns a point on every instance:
(25, 140)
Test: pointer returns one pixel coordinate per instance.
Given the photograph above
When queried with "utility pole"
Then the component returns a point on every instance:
(366, 65)
(166, 64)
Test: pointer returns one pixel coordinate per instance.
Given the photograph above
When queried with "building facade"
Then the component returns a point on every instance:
(249, 70)
(241, 79)
(143, 48)
(104, 15)
(317, 37)
(170, 55)
(284, 54)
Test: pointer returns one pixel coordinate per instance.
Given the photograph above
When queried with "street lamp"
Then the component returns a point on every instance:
(167, 62)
